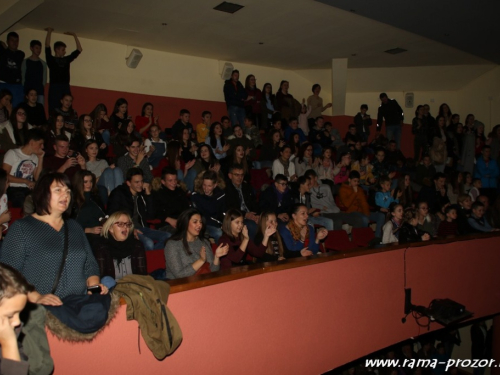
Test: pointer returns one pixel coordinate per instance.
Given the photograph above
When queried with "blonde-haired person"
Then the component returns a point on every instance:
(117, 251)
(276, 248)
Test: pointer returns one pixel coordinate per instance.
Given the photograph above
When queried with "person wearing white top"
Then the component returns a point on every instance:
(283, 165)
(24, 166)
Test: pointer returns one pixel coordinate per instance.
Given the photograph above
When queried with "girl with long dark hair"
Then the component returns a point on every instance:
(187, 251)
(216, 140)
(235, 234)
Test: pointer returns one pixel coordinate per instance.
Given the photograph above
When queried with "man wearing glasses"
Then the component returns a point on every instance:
(277, 198)
(239, 195)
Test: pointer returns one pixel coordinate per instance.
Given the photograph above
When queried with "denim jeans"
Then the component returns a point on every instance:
(320, 220)
(106, 137)
(17, 195)
(150, 236)
(108, 282)
(355, 219)
(214, 232)
(394, 133)
(189, 179)
(252, 228)
(379, 218)
(111, 178)
(236, 115)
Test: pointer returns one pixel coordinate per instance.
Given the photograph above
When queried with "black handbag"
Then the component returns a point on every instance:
(80, 317)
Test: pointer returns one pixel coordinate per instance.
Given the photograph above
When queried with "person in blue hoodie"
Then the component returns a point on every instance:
(384, 198)
(487, 170)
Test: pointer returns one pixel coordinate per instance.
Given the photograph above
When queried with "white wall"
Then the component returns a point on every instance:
(466, 89)
(102, 65)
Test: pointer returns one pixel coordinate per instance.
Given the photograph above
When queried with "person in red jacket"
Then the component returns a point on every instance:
(146, 120)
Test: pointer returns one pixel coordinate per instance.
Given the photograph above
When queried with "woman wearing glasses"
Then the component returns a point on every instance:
(118, 252)
(85, 131)
(14, 131)
(35, 246)
(304, 160)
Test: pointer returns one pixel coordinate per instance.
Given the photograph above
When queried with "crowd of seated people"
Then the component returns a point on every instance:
(113, 186)
(165, 185)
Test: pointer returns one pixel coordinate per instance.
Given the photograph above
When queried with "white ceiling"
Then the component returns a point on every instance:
(297, 34)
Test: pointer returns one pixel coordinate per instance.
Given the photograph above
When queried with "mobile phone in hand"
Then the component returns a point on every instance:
(96, 289)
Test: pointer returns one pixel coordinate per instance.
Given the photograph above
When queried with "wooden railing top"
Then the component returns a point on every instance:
(236, 273)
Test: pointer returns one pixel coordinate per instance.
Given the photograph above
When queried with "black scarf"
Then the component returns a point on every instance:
(121, 249)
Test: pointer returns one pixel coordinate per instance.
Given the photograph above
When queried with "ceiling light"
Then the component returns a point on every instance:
(228, 7)
(395, 51)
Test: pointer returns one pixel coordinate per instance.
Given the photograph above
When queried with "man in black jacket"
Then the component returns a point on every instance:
(210, 200)
(170, 200)
(393, 115)
(136, 200)
(278, 199)
(235, 96)
(239, 195)
(363, 121)
(436, 195)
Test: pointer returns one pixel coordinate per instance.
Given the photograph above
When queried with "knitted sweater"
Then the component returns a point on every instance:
(180, 264)
(125, 162)
(35, 249)
(353, 201)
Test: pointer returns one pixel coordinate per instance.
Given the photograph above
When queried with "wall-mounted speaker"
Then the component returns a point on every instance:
(134, 58)
(227, 69)
(409, 100)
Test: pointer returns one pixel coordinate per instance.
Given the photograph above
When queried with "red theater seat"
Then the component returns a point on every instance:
(362, 236)
(155, 259)
(338, 240)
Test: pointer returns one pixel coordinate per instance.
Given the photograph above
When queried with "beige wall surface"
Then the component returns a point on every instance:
(466, 88)
(102, 65)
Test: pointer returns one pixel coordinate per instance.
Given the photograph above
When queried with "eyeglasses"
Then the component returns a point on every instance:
(121, 224)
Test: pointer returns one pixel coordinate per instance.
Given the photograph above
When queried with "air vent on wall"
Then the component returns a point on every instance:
(395, 51)
(228, 7)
